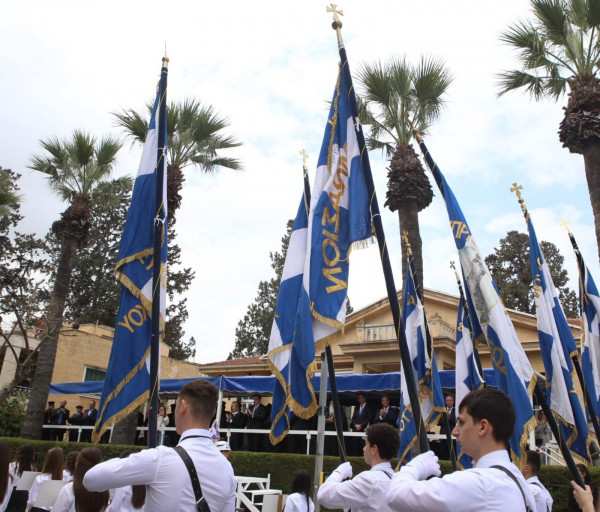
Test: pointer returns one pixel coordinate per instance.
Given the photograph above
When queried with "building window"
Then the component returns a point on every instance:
(93, 374)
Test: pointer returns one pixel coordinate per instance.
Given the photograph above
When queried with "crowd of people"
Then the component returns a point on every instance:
(198, 470)
(61, 416)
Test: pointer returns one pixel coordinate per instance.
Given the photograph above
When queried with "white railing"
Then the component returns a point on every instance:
(380, 332)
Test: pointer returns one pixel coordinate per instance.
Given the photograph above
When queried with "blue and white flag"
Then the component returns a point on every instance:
(489, 319)
(425, 372)
(307, 314)
(557, 346)
(467, 374)
(127, 381)
(589, 303)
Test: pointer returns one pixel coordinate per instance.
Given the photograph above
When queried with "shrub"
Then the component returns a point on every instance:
(12, 412)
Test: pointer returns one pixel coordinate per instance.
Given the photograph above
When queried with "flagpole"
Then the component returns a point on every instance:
(574, 358)
(468, 319)
(337, 414)
(541, 398)
(429, 348)
(159, 228)
(385, 259)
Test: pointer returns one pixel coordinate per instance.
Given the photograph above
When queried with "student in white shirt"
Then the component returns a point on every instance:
(70, 462)
(6, 486)
(52, 470)
(543, 499)
(299, 499)
(367, 491)
(162, 470)
(74, 496)
(130, 498)
(485, 423)
(23, 462)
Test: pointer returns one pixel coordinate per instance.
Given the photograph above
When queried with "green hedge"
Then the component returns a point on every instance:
(281, 466)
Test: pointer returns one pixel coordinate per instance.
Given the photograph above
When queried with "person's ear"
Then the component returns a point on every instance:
(485, 427)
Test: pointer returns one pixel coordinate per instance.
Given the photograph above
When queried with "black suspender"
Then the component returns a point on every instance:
(201, 505)
(514, 479)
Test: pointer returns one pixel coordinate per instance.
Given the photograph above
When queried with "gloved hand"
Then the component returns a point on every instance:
(345, 470)
(423, 466)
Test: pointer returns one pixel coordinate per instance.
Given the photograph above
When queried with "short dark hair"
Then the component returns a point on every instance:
(256, 394)
(386, 438)
(534, 461)
(494, 406)
(202, 397)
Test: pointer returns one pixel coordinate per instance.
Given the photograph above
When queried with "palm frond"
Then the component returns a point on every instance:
(511, 80)
(134, 124)
(376, 86)
(553, 18)
(591, 11)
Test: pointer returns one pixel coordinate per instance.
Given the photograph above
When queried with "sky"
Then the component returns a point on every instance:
(270, 68)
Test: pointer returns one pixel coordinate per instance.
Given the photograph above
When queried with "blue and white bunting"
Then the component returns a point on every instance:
(312, 306)
(557, 346)
(467, 375)
(490, 321)
(427, 380)
(127, 381)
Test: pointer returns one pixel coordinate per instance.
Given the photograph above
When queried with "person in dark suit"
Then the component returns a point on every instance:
(59, 417)
(362, 416)
(75, 420)
(387, 413)
(235, 419)
(256, 416)
(331, 442)
(297, 443)
(89, 420)
(441, 446)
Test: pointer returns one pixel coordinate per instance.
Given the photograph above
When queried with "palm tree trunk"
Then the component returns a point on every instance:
(591, 158)
(34, 418)
(124, 431)
(408, 214)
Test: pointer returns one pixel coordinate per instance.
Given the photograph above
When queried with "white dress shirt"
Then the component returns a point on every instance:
(65, 502)
(543, 499)
(122, 501)
(296, 502)
(167, 481)
(366, 492)
(472, 490)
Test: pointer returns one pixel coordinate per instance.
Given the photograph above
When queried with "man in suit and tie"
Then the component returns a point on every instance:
(235, 419)
(441, 446)
(362, 416)
(89, 420)
(257, 414)
(387, 413)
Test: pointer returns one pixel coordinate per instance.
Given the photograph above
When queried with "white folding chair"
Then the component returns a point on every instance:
(272, 503)
(49, 490)
(26, 480)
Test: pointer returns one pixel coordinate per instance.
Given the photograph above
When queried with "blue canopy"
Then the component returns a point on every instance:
(375, 384)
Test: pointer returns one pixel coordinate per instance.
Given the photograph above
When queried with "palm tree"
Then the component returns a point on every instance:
(559, 49)
(392, 91)
(73, 167)
(194, 138)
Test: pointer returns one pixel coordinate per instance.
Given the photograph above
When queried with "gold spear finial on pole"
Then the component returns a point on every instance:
(165, 59)
(304, 156)
(406, 241)
(565, 224)
(337, 24)
(415, 132)
(517, 190)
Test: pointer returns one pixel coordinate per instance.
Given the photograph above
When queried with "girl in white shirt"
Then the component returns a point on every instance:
(299, 499)
(74, 497)
(52, 470)
(70, 462)
(23, 462)
(128, 498)
(6, 486)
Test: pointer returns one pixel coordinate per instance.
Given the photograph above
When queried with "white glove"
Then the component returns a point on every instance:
(345, 470)
(423, 466)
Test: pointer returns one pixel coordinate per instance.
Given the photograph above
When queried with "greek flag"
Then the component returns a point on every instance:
(557, 346)
(427, 380)
(467, 375)
(489, 319)
(312, 306)
(128, 376)
(589, 303)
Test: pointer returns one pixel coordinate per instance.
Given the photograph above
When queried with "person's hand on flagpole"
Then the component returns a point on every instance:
(583, 497)
(345, 470)
(423, 466)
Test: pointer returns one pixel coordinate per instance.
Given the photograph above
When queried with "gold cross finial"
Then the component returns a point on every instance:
(452, 265)
(337, 24)
(565, 224)
(304, 156)
(516, 189)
